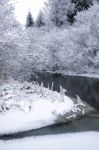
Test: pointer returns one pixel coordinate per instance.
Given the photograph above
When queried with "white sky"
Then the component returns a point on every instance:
(23, 6)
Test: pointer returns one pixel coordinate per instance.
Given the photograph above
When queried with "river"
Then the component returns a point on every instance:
(88, 90)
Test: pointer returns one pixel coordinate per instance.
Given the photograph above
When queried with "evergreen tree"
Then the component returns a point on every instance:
(40, 19)
(29, 20)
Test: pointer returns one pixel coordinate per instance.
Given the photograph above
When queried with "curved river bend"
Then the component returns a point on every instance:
(88, 90)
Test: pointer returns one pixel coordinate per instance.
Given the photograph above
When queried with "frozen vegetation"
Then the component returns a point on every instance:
(71, 49)
(64, 38)
(25, 106)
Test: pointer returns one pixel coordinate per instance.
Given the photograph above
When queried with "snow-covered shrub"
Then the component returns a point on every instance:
(52, 49)
(38, 54)
(22, 96)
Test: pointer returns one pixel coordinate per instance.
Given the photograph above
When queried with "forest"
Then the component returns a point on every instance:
(64, 38)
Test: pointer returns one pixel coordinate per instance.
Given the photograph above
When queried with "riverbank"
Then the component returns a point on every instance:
(25, 106)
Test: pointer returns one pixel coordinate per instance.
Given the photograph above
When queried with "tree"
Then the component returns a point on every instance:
(29, 20)
(82, 4)
(40, 19)
(58, 10)
(86, 36)
(7, 20)
(10, 31)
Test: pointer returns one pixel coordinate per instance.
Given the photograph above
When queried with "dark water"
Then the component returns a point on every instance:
(86, 88)
(87, 123)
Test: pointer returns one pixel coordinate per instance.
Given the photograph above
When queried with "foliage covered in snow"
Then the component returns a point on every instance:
(9, 33)
(72, 49)
(57, 11)
(69, 49)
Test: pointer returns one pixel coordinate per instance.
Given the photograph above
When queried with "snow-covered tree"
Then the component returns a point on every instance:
(40, 19)
(82, 4)
(9, 34)
(29, 20)
(58, 10)
(7, 21)
(79, 5)
(88, 23)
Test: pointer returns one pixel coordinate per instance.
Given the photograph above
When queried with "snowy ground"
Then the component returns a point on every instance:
(74, 141)
(26, 106)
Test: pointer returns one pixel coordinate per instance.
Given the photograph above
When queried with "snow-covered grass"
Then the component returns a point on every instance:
(75, 141)
(25, 106)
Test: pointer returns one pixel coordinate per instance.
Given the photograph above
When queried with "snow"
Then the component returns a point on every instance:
(72, 141)
(89, 75)
(92, 75)
(26, 106)
(72, 49)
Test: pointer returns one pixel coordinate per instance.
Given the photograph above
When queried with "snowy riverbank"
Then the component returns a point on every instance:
(26, 106)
